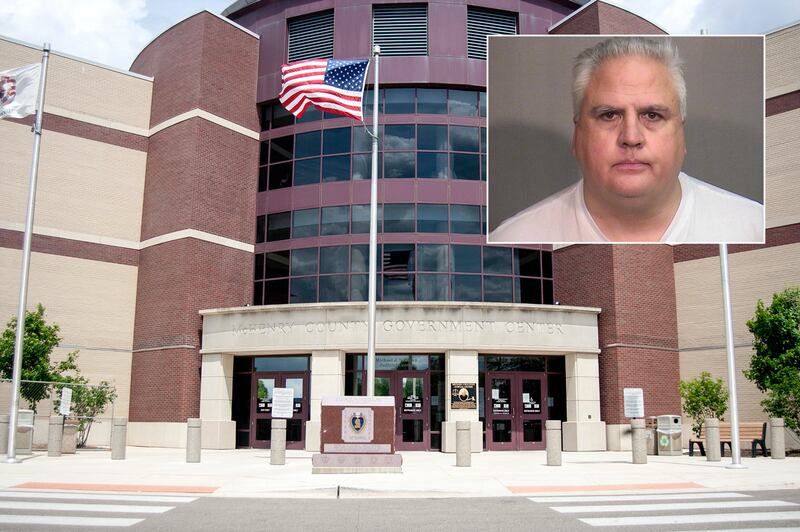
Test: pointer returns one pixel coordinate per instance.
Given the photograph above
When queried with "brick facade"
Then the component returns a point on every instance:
(604, 19)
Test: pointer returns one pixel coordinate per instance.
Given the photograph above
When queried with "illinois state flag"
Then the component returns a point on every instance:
(19, 88)
(333, 85)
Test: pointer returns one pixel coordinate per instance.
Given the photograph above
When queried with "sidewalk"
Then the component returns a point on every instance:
(247, 473)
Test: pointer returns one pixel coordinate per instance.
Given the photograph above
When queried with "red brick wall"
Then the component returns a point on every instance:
(602, 18)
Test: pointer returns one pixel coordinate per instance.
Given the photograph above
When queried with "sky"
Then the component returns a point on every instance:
(113, 32)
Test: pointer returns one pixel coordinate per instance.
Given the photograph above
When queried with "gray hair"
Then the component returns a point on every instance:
(662, 50)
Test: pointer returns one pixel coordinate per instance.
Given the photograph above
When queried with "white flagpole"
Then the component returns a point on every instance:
(736, 453)
(11, 456)
(373, 235)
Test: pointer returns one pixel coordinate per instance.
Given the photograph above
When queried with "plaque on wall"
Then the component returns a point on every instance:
(462, 396)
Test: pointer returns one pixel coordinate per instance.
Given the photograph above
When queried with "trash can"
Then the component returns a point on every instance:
(652, 436)
(668, 430)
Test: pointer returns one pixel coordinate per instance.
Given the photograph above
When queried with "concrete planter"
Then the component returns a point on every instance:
(69, 439)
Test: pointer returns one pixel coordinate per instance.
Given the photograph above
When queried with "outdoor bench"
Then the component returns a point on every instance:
(755, 432)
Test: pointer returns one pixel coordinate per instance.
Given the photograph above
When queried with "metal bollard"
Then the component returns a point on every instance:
(193, 440)
(119, 438)
(713, 450)
(55, 435)
(552, 428)
(277, 453)
(3, 433)
(463, 444)
(639, 441)
(777, 445)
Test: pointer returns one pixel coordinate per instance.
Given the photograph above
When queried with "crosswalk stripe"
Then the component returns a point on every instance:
(716, 505)
(77, 507)
(62, 520)
(628, 498)
(94, 497)
(661, 520)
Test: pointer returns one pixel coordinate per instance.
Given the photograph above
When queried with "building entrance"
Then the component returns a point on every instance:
(515, 413)
(411, 395)
(264, 383)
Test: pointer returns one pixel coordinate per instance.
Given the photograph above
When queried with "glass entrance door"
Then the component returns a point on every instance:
(262, 393)
(514, 412)
(410, 390)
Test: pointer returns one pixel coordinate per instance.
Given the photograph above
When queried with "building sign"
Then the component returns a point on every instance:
(530, 405)
(462, 396)
(283, 403)
(66, 401)
(412, 405)
(634, 402)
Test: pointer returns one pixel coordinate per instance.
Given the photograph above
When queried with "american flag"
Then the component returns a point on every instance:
(333, 85)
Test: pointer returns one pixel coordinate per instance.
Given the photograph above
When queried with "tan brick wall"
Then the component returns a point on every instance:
(783, 61)
(783, 160)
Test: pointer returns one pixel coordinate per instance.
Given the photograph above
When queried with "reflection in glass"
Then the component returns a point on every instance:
(432, 101)
(304, 261)
(306, 172)
(278, 226)
(465, 219)
(304, 290)
(498, 289)
(333, 259)
(431, 165)
(335, 168)
(278, 363)
(336, 140)
(359, 287)
(307, 144)
(466, 287)
(465, 166)
(398, 288)
(432, 287)
(277, 264)
(399, 137)
(362, 166)
(399, 101)
(296, 384)
(496, 260)
(381, 386)
(335, 220)
(431, 137)
(333, 288)
(464, 138)
(399, 165)
(398, 217)
(432, 257)
(305, 222)
(432, 218)
(463, 103)
(466, 259)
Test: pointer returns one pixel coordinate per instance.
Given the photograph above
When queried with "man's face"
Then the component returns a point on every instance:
(628, 138)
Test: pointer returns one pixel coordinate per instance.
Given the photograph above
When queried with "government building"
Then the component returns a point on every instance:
(200, 246)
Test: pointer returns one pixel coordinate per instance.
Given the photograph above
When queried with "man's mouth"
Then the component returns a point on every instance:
(631, 165)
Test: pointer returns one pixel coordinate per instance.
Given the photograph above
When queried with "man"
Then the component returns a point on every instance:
(629, 105)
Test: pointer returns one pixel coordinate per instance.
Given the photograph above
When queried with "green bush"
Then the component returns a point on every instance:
(704, 397)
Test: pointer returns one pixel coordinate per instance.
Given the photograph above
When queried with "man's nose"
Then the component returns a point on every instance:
(630, 135)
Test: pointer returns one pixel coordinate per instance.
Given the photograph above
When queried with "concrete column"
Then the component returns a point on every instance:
(552, 429)
(327, 379)
(639, 441)
(461, 366)
(3, 433)
(712, 440)
(216, 395)
(54, 434)
(119, 438)
(277, 454)
(463, 451)
(583, 430)
(193, 440)
(777, 445)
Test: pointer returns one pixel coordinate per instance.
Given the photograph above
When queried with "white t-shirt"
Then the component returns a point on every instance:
(706, 214)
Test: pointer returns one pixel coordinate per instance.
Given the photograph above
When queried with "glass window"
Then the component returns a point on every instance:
(335, 220)
(360, 219)
(399, 164)
(281, 117)
(362, 140)
(263, 174)
(399, 137)
(398, 217)
(498, 289)
(277, 264)
(333, 259)
(304, 261)
(399, 101)
(398, 288)
(465, 138)
(431, 218)
(431, 165)
(336, 140)
(465, 219)
(305, 222)
(528, 290)
(369, 98)
(276, 292)
(466, 259)
(258, 269)
(307, 144)
(281, 149)
(547, 291)
(258, 293)
(432, 101)
(483, 140)
(463, 103)
(359, 258)
(497, 260)
(547, 264)
(482, 103)
(336, 168)
(527, 262)
(261, 225)
(280, 176)
(484, 172)
(465, 166)
(263, 153)
(432, 287)
(466, 287)
(306, 172)
(359, 287)
(398, 259)
(304, 290)
(432, 257)
(278, 226)
(310, 115)
(282, 363)
(265, 117)
(362, 166)
(431, 137)
(333, 288)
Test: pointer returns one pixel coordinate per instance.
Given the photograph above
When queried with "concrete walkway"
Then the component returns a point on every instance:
(247, 473)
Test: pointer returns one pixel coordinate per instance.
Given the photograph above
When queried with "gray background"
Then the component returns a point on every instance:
(530, 116)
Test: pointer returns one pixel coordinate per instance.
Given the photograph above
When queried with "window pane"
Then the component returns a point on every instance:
(398, 218)
(498, 289)
(431, 137)
(359, 258)
(431, 218)
(465, 219)
(399, 137)
(547, 264)
(483, 140)
(336, 168)
(432, 287)
(263, 174)
(261, 225)
(258, 293)
(398, 288)
(281, 117)
(432, 257)
(305, 222)
(360, 219)
(304, 290)
(465, 166)
(359, 287)
(265, 117)
(281, 149)
(304, 261)
(547, 292)
(463, 103)
(362, 166)
(307, 144)
(336, 140)
(333, 288)
(431, 165)
(368, 101)
(432, 101)
(333, 259)
(527, 262)
(399, 164)
(335, 220)
(277, 264)
(482, 103)
(306, 172)
(398, 259)
(280, 176)
(278, 226)
(530, 290)
(466, 258)
(310, 115)
(464, 138)
(258, 269)
(276, 292)
(466, 288)
(362, 141)
(496, 260)
(399, 101)
(263, 153)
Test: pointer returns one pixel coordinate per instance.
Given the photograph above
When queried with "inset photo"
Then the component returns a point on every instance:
(625, 139)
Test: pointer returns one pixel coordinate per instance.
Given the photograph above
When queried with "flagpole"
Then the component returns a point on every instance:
(373, 234)
(736, 454)
(11, 456)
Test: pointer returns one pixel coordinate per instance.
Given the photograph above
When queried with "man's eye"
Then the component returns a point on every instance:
(652, 116)
(608, 115)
